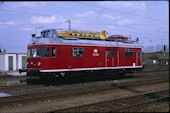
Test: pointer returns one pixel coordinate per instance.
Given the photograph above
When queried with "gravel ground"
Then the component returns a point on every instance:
(151, 87)
(4, 80)
(152, 73)
(39, 89)
(68, 102)
(48, 105)
(151, 107)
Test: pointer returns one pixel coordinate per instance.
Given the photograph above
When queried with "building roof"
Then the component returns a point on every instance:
(3, 53)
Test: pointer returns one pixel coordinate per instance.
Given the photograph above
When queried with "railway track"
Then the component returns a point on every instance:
(120, 104)
(24, 86)
(155, 68)
(6, 101)
(18, 87)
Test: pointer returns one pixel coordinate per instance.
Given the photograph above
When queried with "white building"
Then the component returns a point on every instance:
(12, 62)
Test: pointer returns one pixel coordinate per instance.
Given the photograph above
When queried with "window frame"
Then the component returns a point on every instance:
(139, 53)
(53, 51)
(78, 51)
(110, 52)
(129, 52)
(31, 51)
(45, 56)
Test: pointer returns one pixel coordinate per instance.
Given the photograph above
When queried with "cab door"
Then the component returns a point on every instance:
(115, 57)
(53, 59)
(138, 58)
(109, 57)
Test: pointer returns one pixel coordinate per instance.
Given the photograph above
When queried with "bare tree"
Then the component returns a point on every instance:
(156, 48)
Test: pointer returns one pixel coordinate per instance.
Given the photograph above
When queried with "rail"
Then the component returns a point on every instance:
(119, 104)
(68, 92)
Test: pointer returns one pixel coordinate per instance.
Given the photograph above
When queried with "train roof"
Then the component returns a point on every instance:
(54, 39)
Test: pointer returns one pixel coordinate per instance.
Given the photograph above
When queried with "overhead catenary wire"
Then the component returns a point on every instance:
(132, 26)
(133, 36)
(84, 22)
(122, 12)
(18, 25)
(156, 12)
(30, 13)
(150, 9)
(147, 38)
(71, 10)
(24, 12)
(27, 25)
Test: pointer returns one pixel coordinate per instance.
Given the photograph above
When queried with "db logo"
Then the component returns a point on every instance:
(95, 52)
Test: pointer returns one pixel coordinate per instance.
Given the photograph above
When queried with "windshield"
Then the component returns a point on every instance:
(38, 52)
(34, 52)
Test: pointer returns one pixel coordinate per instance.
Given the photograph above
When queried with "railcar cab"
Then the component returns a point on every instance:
(41, 52)
(39, 55)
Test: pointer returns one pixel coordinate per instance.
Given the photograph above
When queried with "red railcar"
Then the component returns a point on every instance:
(53, 56)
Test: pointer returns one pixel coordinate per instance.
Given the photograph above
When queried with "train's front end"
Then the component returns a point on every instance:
(34, 62)
(37, 53)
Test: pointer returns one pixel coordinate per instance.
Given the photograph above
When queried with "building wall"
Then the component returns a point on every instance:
(2, 62)
(20, 64)
(7, 61)
(17, 63)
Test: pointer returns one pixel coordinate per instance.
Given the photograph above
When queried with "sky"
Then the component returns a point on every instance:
(146, 20)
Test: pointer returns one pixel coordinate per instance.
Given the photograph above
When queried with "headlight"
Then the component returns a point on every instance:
(31, 63)
(39, 63)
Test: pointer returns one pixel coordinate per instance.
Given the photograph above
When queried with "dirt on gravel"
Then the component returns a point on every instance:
(151, 107)
(48, 105)
(150, 73)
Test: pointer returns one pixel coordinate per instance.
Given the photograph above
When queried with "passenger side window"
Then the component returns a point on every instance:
(78, 52)
(129, 52)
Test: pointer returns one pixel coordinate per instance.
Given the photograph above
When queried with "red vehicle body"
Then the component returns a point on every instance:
(75, 57)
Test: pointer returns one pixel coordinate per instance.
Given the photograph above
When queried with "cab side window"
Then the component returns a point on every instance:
(46, 52)
(53, 52)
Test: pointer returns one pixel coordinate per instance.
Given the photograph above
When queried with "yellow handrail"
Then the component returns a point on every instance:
(101, 35)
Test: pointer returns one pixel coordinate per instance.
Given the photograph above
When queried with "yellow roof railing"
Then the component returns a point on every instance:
(83, 34)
